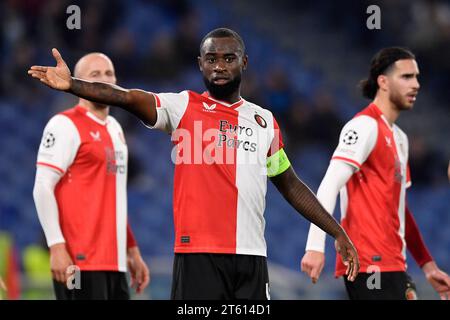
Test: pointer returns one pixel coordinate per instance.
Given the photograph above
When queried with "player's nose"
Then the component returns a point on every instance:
(108, 79)
(219, 66)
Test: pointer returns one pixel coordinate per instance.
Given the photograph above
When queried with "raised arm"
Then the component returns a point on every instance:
(139, 102)
(306, 203)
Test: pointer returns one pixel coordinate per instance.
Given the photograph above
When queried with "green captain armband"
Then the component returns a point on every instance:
(277, 163)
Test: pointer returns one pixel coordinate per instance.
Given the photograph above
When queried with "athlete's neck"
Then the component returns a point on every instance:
(233, 98)
(101, 111)
(389, 109)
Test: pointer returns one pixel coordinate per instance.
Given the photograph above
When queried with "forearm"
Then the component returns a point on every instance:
(414, 240)
(140, 103)
(46, 205)
(337, 175)
(305, 202)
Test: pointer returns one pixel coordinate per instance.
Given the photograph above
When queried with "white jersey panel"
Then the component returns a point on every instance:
(121, 158)
(170, 109)
(401, 143)
(356, 141)
(60, 143)
(251, 178)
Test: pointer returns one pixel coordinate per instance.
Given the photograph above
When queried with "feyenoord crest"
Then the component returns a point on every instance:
(260, 120)
(350, 137)
(49, 140)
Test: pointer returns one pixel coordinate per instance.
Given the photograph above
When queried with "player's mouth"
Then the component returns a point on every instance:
(220, 80)
(412, 96)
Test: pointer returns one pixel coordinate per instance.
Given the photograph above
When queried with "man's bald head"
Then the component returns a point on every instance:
(95, 66)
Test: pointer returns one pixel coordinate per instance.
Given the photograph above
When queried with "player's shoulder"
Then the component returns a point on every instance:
(183, 94)
(111, 119)
(60, 120)
(114, 123)
(258, 108)
(182, 98)
(362, 122)
(400, 131)
(61, 126)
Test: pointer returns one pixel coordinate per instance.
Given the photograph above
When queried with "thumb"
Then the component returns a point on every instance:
(57, 56)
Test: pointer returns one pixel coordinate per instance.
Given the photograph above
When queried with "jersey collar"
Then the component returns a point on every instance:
(92, 116)
(381, 115)
(226, 104)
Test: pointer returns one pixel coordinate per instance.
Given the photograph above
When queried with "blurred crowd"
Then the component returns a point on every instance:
(157, 53)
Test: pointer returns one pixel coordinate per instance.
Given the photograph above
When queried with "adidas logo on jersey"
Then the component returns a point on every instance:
(95, 135)
(209, 107)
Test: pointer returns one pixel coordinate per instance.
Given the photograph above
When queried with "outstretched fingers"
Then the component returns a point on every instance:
(36, 74)
(57, 56)
(39, 68)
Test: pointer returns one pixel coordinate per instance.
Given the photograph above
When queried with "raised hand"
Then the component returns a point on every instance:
(58, 77)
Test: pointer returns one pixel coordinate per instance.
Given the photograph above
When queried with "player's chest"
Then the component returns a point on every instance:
(102, 145)
(390, 154)
(222, 121)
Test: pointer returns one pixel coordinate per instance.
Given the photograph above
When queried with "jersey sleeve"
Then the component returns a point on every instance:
(356, 141)
(408, 177)
(277, 141)
(170, 108)
(277, 160)
(131, 240)
(59, 145)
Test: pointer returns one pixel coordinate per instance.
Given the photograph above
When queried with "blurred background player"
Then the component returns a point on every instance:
(219, 233)
(80, 194)
(370, 171)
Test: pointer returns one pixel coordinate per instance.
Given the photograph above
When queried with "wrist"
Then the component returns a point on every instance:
(429, 267)
(133, 251)
(340, 234)
(72, 79)
(58, 247)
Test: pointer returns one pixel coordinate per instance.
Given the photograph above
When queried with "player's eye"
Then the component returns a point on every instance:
(229, 59)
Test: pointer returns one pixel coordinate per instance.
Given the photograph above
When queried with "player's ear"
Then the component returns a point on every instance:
(199, 60)
(382, 82)
(244, 62)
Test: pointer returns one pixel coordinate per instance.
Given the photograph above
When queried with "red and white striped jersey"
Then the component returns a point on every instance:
(373, 200)
(220, 181)
(92, 155)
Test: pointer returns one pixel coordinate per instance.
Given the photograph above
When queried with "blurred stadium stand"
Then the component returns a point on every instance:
(306, 58)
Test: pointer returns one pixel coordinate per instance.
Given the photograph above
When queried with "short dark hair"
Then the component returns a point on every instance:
(382, 63)
(223, 33)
